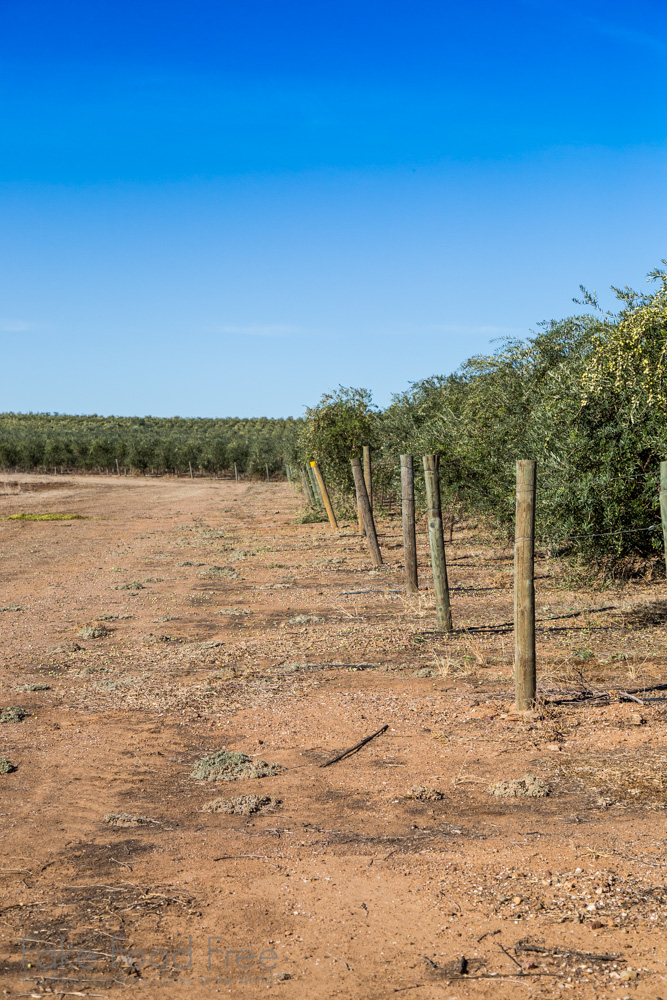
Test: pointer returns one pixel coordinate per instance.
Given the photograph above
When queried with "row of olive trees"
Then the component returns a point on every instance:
(38, 440)
(586, 397)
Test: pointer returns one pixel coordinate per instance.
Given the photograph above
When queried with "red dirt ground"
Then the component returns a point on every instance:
(250, 632)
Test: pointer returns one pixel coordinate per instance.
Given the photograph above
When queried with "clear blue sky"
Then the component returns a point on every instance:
(227, 208)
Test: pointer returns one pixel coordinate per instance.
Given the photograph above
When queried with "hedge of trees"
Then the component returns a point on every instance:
(31, 441)
(585, 396)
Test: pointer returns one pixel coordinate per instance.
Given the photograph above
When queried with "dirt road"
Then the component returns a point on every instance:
(176, 619)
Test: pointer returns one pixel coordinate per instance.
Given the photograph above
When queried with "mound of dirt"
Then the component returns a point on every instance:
(242, 805)
(13, 714)
(123, 819)
(424, 794)
(231, 766)
(527, 787)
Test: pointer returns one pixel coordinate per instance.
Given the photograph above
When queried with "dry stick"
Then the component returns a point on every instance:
(357, 746)
(525, 676)
(368, 473)
(367, 513)
(408, 514)
(325, 495)
(437, 543)
(663, 504)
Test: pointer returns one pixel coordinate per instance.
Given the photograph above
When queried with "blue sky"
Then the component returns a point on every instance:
(217, 208)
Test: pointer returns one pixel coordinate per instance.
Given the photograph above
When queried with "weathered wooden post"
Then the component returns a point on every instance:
(437, 543)
(663, 504)
(366, 512)
(190, 467)
(368, 474)
(268, 477)
(117, 468)
(236, 473)
(315, 486)
(408, 515)
(324, 494)
(525, 675)
(307, 487)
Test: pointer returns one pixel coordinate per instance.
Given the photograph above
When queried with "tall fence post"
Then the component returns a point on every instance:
(437, 543)
(368, 474)
(525, 674)
(663, 505)
(324, 494)
(408, 516)
(366, 511)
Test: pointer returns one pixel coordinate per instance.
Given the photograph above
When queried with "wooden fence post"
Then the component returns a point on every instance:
(525, 676)
(315, 486)
(366, 511)
(117, 468)
(190, 467)
(437, 543)
(307, 487)
(368, 474)
(268, 477)
(408, 515)
(324, 494)
(236, 473)
(663, 504)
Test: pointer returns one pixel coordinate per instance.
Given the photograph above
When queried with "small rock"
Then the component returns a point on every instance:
(636, 719)
(594, 925)
(517, 899)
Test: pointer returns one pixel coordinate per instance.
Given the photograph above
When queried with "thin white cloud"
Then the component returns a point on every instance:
(15, 325)
(257, 330)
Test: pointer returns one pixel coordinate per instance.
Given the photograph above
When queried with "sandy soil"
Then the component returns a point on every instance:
(219, 622)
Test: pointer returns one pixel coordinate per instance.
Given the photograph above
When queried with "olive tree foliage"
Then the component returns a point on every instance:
(585, 396)
(335, 430)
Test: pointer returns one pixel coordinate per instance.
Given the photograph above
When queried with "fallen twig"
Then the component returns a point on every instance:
(357, 746)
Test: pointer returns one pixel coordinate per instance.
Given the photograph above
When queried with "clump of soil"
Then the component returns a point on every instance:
(227, 572)
(33, 687)
(527, 787)
(231, 766)
(6, 767)
(304, 619)
(93, 632)
(424, 794)
(13, 714)
(242, 805)
(123, 819)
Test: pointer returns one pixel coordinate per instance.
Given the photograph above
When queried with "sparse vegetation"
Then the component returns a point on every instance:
(232, 766)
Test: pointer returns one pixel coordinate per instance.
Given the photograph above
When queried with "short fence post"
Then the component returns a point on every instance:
(368, 474)
(366, 512)
(525, 676)
(437, 543)
(663, 504)
(117, 468)
(408, 515)
(190, 467)
(324, 494)
(307, 487)
(236, 473)
(315, 486)
(268, 477)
